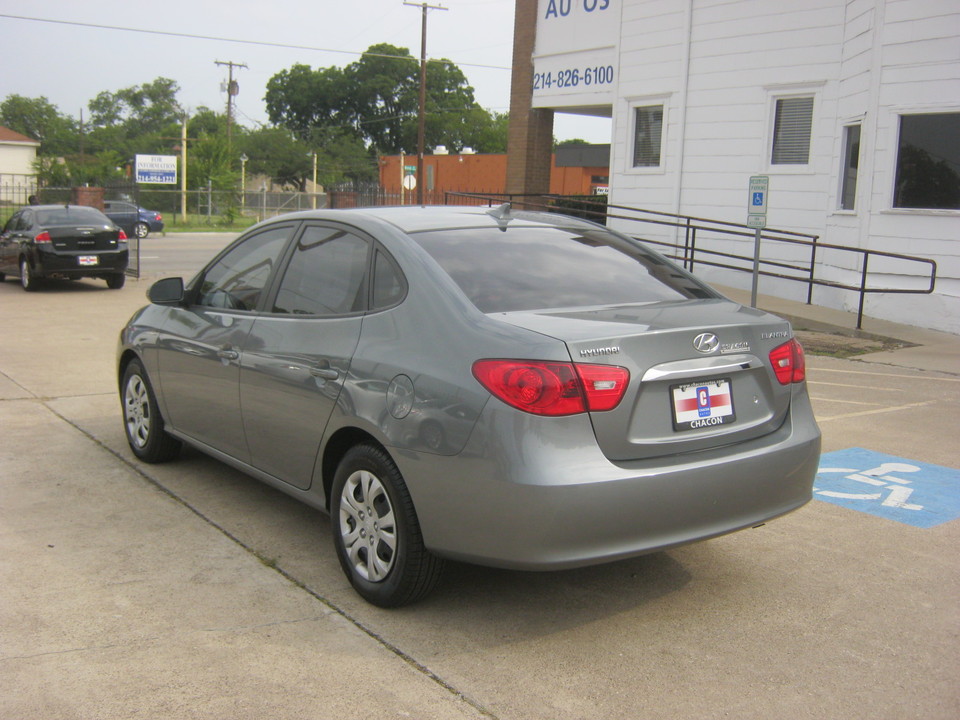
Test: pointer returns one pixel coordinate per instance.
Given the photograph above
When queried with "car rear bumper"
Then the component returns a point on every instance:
(68, 264)
(565, 506)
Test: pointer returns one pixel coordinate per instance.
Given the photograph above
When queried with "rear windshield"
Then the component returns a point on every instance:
(535, 268)
(71, 216)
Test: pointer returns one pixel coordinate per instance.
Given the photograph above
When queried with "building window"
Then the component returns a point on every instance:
(851, 162)
(928, 162)
(792, 124)
(647, 136)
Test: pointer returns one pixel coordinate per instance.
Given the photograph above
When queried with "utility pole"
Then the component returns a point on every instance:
(232, 90)
(422, 114)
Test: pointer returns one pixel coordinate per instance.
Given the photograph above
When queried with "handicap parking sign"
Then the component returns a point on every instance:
(908, 491)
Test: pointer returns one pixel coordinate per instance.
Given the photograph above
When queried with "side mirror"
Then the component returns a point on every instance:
(168, 291)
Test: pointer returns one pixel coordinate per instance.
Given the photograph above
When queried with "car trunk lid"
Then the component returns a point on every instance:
(84, 238)
(700, 374)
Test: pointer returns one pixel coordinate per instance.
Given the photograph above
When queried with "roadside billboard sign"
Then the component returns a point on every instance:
(161, 169)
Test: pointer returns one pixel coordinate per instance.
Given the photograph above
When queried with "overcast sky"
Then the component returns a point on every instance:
(70, 64)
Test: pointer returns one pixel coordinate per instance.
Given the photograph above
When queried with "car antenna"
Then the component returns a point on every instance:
(500, 211)
(502, 215)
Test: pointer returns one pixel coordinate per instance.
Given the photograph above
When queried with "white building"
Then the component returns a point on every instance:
(17, 176)
(851, 108)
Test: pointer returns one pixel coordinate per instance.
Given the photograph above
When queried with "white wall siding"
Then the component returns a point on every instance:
(718, 67)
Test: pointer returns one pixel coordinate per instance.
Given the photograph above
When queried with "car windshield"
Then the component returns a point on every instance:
(75, 215)
(534, 268)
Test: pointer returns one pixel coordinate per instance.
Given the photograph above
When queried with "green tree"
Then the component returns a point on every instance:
(277, 152)
(376, 99)
(39, 119)
(342, 156)
(486, 132)
(210, 161)
(302, 99)
(137, 119)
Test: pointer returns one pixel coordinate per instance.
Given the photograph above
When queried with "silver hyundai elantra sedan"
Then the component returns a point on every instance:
(515, 389)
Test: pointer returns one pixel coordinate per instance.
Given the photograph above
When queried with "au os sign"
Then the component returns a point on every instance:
(160, 169)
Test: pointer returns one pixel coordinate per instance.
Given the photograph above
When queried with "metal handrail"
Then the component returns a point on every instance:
(689, 254)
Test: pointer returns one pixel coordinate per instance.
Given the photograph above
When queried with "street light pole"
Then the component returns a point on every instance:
(183, 168)
(243, 182)
(422, 112)
(313, 190)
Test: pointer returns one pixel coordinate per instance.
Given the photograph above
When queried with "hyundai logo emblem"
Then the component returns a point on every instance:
(706, 343)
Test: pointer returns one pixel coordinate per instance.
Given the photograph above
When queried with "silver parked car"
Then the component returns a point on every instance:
(515, 389)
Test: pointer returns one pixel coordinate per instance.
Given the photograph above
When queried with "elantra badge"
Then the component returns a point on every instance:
(706, 343)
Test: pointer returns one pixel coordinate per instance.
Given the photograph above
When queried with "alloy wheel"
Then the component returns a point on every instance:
(136, 411)
(368, 526)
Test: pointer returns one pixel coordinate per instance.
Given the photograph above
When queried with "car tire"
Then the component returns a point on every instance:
(116, 281)
(27, 279)
(142, 421)
(376, 532)
(141, 230)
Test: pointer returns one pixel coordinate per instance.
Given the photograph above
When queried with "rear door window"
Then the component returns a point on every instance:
(326, 275)
(528, 267)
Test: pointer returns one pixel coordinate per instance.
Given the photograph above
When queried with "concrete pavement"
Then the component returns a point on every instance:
(187, 590)
(925, 349)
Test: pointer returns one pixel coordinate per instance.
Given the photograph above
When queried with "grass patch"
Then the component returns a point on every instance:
(174, 223)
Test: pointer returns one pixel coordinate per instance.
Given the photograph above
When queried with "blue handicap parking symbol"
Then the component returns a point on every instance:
(758, 198)
(907, 491)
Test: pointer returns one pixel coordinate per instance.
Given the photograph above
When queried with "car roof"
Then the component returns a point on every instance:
(415, 218)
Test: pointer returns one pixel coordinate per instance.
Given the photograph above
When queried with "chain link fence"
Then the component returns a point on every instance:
(207, 207)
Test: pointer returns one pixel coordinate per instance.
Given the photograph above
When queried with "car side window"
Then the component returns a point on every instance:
(326, 275)
(388, 283)
(237, 280)
(13, 223)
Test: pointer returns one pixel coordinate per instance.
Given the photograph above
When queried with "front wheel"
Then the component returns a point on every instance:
(141, 418)
(116, 281)
(376, 531)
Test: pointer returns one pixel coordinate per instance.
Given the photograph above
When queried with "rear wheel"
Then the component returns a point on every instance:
(376, 531)
(141, 230)
(141, 418)
(116, 281)
(27, 279)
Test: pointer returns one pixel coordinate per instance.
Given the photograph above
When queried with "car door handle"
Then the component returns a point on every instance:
(325, 373)
(228, 354)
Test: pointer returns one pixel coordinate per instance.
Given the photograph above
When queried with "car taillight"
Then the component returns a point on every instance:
(553, 388)
(788, 363)
(122, 235)
(158, 217)
(43, 237)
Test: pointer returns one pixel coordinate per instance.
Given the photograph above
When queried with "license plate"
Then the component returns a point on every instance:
(702, 404)
(89, 260)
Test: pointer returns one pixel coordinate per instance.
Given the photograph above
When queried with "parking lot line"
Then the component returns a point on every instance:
(845, 402)
(848, 385)
(875, 412)
(902, 376)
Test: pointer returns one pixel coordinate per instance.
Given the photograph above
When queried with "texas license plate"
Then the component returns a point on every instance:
(89, 260)
(702, 404)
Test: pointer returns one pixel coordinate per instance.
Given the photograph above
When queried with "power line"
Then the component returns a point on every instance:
(238, 41)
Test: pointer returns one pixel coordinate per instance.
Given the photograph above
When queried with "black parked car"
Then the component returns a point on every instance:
(135, 221)
(65, 242)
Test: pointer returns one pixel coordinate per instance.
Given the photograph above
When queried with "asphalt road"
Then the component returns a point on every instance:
(191, 590)
(179, 253)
